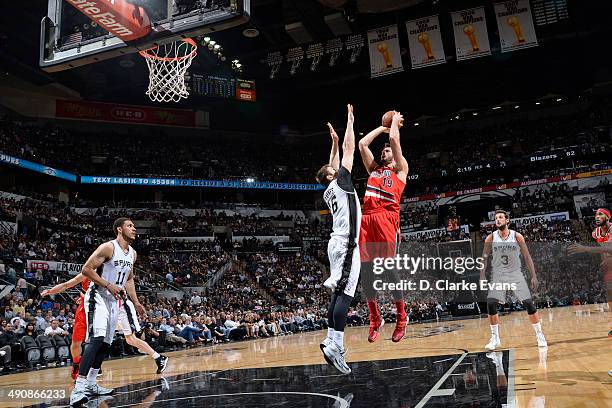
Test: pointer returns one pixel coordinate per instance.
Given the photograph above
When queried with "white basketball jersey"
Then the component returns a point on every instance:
(506, 256)
(117, 269)
(344, 207)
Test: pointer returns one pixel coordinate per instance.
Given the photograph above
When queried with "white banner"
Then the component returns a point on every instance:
(515, 24)
(471, 35)
(432, 233)
(72, 268)
(425, 42)
(385, 55)
(519, 222)
(586, 203)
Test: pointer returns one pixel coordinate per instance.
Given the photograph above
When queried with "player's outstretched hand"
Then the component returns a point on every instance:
(398, 119)
(332, 132)
(350, 118)
(45, 293)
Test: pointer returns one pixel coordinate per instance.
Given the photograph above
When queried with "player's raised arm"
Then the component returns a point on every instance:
(527, 256)
(364, 148)
(486, 253)
(348, 145)
(334, 155)
(102, 254)
(601, 249)
(63, 286)
(396, 147)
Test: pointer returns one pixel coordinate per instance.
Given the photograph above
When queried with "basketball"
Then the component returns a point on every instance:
(387, 119)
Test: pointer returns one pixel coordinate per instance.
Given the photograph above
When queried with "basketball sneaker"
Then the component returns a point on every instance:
(78, 397)
(400, 328)
(324, 344)
(376, 324)
(541, 340)
(95, 389)
(336, 355)
(75, 371)
(494, 342)
(162, 362)
(610, 334)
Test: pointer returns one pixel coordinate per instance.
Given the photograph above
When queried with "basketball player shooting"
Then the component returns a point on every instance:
(505, 247)
(109, 270)
(380, 223)
(342, 249)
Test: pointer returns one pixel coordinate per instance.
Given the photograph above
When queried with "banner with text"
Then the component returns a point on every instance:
(431, 233)
(39, 168)
(71, 268)
(385, 54)
(175, 182)
(471, 35)
(522, 221)
(425, 42)
(515, 24)
(108, 112)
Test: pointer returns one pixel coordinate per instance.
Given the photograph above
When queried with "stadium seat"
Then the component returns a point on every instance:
(47, 348)
(61, 347)
(31, 351)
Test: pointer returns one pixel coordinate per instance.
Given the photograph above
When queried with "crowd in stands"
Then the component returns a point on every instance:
(469, 156)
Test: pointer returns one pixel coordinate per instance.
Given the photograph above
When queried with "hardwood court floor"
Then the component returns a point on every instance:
(571, 372)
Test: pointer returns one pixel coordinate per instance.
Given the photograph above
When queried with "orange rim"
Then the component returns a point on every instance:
(189, 41)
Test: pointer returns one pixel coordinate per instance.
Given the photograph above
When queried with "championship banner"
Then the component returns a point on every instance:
(108, 112)
(72, 268)
(425, 42)
(175, 182)
(385, 55)
(471, 35)
(522, 221)
(515, 24)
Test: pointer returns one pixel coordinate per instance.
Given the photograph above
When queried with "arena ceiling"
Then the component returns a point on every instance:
(571, 57)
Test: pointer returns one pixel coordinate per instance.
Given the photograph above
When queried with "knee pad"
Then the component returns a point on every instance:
(491, 307)
(531, 309)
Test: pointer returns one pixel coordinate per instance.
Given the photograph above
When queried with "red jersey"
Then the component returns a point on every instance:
(603, 236)
(383, 191)
(85, 284)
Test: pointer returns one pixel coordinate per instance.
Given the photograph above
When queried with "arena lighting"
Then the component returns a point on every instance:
(474, 113)
(333, 48)
(274, 61)
(250, 180)
(416, 123)
(538, 103)
(354, 43)
(315, 52)
(457, 117)
(516, 106)
(559, 99)
(496, 107)
(295, 56)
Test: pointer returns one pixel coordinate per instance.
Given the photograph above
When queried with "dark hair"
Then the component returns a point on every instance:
(506, 214)
(322, 175)
(119, 223)
(386, 145)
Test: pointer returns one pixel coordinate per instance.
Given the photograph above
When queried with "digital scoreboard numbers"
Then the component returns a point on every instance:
(547, 12)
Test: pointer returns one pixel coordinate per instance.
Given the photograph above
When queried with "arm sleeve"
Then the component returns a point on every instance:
(344, 180)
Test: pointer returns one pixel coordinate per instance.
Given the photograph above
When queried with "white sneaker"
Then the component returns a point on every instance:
(95, 389)
(494, 342)
(541, 340)
(610, 373)
(78, 397)
(336, 355)
(324, 344)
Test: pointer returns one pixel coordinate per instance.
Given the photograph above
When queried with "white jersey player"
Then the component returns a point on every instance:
(504, 247)
(110, 272)
(342, 249)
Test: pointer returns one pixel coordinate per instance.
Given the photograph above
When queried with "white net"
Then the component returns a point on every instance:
(168, 64)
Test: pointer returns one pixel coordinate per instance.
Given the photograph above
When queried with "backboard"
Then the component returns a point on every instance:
(72, 33)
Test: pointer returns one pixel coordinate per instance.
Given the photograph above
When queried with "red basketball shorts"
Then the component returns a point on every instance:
(379, 235)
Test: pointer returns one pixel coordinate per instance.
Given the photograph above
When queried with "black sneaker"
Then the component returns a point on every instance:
(162, 362)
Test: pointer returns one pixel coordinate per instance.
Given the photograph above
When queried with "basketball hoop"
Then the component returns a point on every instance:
(168, 64)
